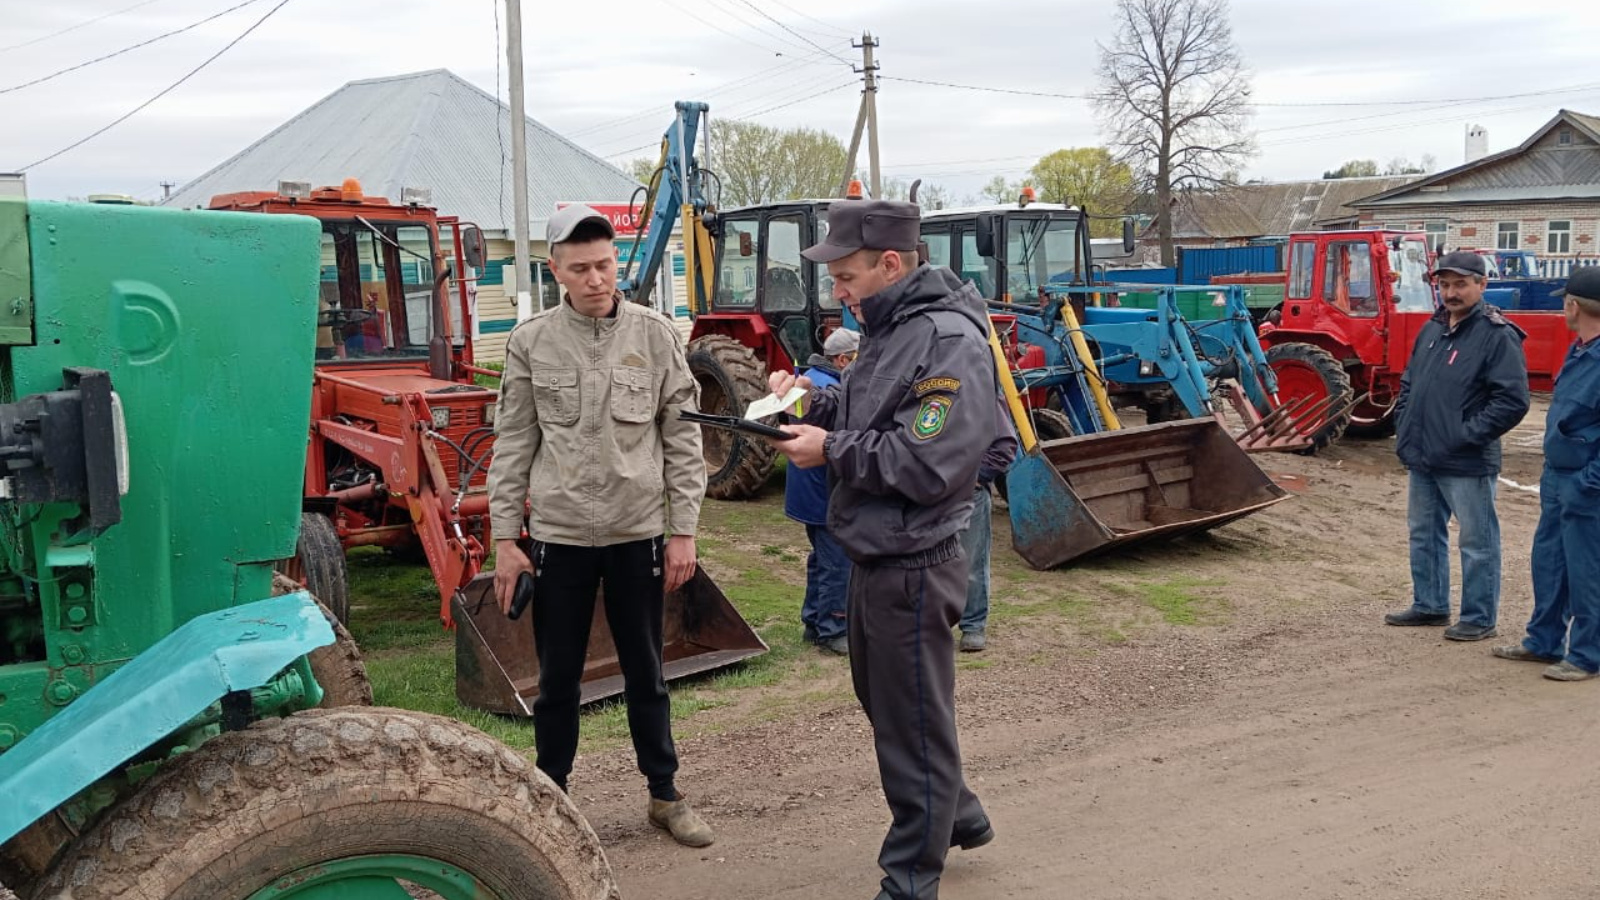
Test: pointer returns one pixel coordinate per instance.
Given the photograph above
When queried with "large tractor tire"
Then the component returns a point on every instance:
(1048, 425)
(730, 377)
(1306, 370)
(318, 563)
(1372, 423)
(337, 667)
(330, 804)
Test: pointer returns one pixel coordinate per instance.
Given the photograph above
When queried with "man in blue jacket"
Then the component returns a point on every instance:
(1566, 545)
(1466, 385)
(805, 500)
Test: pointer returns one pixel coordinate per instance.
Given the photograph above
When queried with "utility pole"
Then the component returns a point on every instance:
(866, 117)
(870, 98)
(519, 161)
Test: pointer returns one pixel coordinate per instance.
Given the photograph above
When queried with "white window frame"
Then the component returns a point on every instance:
(1500, 232)
(1551, 232)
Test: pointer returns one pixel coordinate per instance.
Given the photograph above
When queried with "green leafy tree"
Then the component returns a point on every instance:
(762, 164)
(1090, 178)
(1355, 168)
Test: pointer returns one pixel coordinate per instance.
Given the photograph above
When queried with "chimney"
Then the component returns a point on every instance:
(1477, 143)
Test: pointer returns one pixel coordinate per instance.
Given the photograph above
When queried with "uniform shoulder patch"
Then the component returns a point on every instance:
(932, 416)
(936, 385)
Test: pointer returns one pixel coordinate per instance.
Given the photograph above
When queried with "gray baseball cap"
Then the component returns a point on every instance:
(563, 222)
(842, 340)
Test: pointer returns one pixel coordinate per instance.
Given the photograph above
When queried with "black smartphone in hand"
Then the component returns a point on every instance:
(522, 596)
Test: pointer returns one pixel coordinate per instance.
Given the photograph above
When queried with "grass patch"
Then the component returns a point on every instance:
(1178, 601)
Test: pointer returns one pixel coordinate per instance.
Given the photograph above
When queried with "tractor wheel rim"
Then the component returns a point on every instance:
(375, 877)
(1296, 380)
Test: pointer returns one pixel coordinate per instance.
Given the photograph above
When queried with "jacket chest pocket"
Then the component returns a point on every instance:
(633, 393)
(556, 395)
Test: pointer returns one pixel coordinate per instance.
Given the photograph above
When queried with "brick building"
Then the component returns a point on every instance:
(1543, 195)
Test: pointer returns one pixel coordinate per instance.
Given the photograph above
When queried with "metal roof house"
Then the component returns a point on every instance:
(1270, 211)
(428, 129)
(438, 131)
(1541, 195)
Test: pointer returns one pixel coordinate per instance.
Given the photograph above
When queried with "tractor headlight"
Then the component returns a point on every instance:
(441, 418)
(1146, 368)
(488, 413)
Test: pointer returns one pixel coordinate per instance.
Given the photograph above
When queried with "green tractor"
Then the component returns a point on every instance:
(173, 722)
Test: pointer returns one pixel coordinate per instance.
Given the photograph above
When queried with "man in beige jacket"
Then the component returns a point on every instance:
(587, 429)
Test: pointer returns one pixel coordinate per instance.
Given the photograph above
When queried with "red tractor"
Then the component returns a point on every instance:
(1353, 304)
(400, 433)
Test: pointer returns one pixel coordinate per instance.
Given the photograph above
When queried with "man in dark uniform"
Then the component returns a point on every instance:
(903, 438)
(1565, 628)
(1465, 386)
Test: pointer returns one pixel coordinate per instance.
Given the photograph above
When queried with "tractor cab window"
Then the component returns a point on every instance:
(783, 288)
(1347, 278)
(1040, 250)
(1302, 256)
(1412, 293)
(938, 247)
(378, 290)
(736, 267)
(820, 276)
(976, 269)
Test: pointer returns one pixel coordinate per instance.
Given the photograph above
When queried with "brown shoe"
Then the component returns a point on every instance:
(684, 824)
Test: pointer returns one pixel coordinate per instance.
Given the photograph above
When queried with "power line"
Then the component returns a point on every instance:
(69, 28)
(750, 115)
(731, 10)
(1441, 102)
(190, 27)
(782, 95)
(763, 14)
(162, 93)
(846, 32)
(727, 87)
(710, 24)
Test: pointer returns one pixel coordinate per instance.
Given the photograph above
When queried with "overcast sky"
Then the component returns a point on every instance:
(606, 72)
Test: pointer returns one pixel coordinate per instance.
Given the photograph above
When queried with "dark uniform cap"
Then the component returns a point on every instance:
(1583, 281)
(867, 225)
(1462, 262)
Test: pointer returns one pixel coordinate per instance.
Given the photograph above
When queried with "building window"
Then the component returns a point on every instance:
(1558, 236)
(1506, 236)
(1436, 232)
(1566, 137)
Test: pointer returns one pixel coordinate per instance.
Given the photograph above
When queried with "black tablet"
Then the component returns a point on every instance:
(735, 423)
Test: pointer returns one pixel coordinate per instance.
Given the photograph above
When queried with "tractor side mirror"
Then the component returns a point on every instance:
(746, 245)
(472, 246)
(1127, 237)
(986, 226)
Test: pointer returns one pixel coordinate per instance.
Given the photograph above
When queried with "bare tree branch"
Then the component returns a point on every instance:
(1174, 98)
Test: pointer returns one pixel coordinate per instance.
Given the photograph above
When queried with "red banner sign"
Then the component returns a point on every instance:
(620, 215)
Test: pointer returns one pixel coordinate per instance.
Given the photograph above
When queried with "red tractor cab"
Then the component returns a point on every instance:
(400, 434)
(1354, 302)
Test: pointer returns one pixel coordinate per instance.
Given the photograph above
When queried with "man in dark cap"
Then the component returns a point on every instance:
(1565, 629)
(903, 438)
(1465, 386)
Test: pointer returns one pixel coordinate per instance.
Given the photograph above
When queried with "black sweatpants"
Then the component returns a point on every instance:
(902, 659)
(566, 579)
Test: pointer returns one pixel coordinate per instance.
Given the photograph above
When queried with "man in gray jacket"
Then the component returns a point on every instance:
(903, 438)
(587, 427)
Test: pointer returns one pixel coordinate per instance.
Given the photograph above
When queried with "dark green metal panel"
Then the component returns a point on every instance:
(206, 323)
(16, 293)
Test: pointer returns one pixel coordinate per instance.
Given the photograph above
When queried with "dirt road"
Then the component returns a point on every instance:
(1294, 747)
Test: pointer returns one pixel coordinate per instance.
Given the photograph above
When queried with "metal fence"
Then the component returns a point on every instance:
(1196, 265)
(1561, 268)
